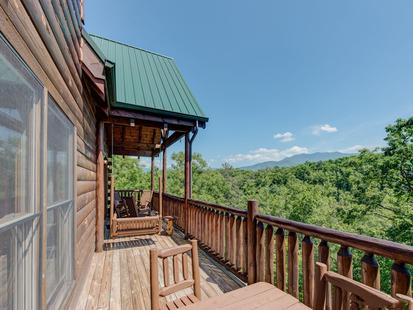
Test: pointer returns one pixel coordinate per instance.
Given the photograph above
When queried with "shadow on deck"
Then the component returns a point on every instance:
(119, 276)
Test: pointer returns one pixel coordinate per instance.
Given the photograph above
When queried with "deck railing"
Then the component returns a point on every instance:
(260, 247)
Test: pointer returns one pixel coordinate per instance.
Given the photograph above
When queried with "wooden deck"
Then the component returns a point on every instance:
(119, 276)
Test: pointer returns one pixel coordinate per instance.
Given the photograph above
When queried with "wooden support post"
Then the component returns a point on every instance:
(160, 198)
(152, 173)
(400, 279)
(187, 194)
(252, 239)
(100, 189)
(112, 203)
(308, 270)
(280, 258)
(164, 135)
(292, 264)
(370, 271)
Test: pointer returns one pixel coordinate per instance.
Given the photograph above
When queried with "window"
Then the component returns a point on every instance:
(59, 205)
(22, 144)
(20, 100)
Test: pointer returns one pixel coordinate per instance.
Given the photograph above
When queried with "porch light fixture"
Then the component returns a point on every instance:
(132, 122)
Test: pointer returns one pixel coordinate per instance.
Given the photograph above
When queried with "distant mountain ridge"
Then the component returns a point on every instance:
(297, 160)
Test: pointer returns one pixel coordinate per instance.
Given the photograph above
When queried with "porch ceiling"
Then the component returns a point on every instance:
(136, 141)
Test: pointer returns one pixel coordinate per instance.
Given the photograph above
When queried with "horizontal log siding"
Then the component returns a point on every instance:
(47, 35)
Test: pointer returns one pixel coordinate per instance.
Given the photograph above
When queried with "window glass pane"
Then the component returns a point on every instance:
(59, 245)
(19, 93)
(59, 155)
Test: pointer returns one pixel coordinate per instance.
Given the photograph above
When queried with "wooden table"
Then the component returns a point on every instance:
(256, 296)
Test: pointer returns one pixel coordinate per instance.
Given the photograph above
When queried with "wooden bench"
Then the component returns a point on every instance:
(136, 226)
(178, 283)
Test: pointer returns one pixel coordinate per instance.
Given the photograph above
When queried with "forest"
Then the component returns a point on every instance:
(370, 193)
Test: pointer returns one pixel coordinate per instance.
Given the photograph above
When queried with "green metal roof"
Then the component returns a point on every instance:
(147, 81)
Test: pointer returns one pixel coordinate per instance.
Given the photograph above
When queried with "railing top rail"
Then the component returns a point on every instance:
(172, 197)
(396, 251)
(217, 207)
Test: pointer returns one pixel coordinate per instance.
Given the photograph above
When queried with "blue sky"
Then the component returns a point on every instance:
(277, 78)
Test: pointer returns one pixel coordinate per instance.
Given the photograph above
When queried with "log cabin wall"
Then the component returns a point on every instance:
(47, 36)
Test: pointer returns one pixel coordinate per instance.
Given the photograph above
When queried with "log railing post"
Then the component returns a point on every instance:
(400, 279)
(238, 247)
(227, 238)
(370, 271)
(320, 287)
(345, 268)
(244, 254)
(293, 264)
(324, 257)
(280, 258)
(269, 257)
(252, 239)
(232, 243)
(260, 259)
(308, 270)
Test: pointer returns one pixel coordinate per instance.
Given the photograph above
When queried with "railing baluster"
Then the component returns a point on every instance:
(260, 252)
(345, 268)
(227, 238)
(370, 271)
(208, 228)
(244, 255)
(280, 258)
(324, 257)
(400, 279)
(251, 222)
(222, 235)
(218, 232)
(238, 247)
(269, 257)
(232, 242)
(308, 270)
(292, 264)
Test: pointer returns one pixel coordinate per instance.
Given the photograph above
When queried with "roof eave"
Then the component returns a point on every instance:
(123, 105)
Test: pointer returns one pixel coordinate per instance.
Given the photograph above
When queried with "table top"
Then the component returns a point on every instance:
(256, 296)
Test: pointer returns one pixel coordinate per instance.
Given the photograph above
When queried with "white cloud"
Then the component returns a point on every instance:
(284, 137)
(355, 149)
(324, 128)
(264, 154)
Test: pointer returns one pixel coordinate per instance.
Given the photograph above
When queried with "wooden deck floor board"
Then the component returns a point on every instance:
(118, 278)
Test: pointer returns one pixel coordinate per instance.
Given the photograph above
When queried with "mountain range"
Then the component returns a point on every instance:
(297, 159)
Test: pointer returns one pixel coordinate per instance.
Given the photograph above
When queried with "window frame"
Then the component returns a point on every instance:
(56, 205)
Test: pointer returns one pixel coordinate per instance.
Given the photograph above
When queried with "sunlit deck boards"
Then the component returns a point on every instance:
(119, 276)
